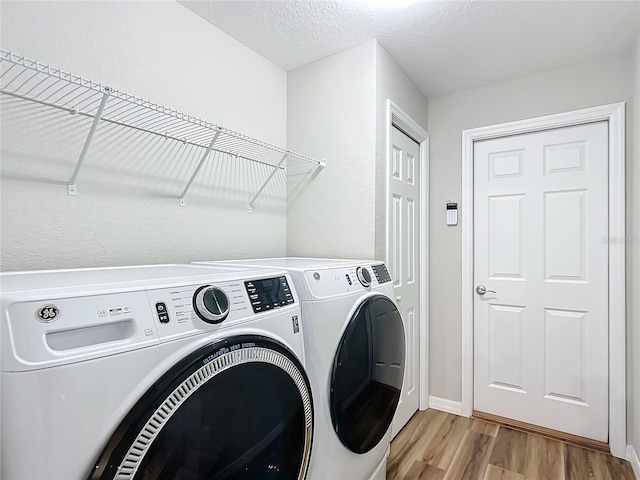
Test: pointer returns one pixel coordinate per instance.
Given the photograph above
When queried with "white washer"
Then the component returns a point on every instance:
(168, 371)
(355, 351)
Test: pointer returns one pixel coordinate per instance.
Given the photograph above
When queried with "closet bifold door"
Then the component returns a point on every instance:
(367, 374)
(237, 408)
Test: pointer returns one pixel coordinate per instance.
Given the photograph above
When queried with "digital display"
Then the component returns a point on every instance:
(269, 293)
(381, 273)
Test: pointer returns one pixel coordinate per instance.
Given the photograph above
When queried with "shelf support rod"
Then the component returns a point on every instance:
(200, 163)
(273, 172)
(71, 186)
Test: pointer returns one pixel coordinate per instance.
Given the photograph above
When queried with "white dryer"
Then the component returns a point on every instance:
(154, 372)
(355, 351)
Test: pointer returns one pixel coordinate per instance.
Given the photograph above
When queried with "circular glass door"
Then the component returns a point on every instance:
(367, 374)
(240, 408)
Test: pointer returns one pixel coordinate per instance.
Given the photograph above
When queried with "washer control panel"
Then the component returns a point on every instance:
(269, 293)
(185, 310)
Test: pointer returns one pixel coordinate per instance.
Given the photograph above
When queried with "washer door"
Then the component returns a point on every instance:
(240, 408)
(367, 374)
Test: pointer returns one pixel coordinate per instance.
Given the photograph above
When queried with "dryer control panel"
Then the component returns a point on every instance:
(329, 282)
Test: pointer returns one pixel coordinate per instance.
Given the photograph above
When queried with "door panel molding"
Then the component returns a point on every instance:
(614, 114)
(396, 116)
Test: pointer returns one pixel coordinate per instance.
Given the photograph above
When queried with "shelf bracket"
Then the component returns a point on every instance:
(273, 172)
(200, 163)
(71, 186)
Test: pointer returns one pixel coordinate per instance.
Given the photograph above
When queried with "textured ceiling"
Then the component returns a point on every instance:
(444, 46)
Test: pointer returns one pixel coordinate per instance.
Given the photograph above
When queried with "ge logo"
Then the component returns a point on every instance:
(48, 313)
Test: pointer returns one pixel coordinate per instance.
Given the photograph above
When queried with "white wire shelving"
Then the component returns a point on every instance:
(33, 81)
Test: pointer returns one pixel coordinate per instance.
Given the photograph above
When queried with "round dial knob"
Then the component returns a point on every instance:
(211, 304)
(363, 276)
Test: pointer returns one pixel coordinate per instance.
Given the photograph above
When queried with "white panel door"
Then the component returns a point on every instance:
(540, 242)
(404, 263)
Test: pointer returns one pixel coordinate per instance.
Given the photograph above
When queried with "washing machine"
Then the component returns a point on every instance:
(153, 372)
(355, 351)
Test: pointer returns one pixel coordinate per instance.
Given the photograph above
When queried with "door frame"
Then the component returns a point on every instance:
(397, 117)
(614, 114)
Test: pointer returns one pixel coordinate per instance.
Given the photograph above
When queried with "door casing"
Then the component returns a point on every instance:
(614, 114)
(396, 116)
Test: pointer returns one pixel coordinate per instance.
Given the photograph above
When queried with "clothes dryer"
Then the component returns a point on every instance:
(355, 351)
(153, 372)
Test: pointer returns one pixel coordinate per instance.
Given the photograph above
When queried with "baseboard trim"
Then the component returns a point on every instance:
(445, 405)
(632, 458)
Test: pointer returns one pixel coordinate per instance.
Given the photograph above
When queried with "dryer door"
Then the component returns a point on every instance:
(240, 408)
(367, 374)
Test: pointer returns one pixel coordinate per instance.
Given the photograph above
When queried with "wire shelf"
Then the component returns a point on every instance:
(33, 81)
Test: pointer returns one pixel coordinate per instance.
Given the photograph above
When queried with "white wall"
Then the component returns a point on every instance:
(391, 83)
(331, 114)
(595, 83)
(127, 210)
(336, 109)
(633, 351)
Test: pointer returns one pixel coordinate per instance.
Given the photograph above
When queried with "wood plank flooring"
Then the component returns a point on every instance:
(435, 445)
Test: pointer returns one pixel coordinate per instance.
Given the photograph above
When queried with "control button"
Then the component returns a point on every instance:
(211, 304)
(316, 276)
(363, 276)
(161, 310)
(126, 310)
(148, 332)
(115, 311)
(102, 313)
(349, 279)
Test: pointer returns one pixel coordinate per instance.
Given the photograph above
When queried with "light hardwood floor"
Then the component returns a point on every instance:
(436, 445)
